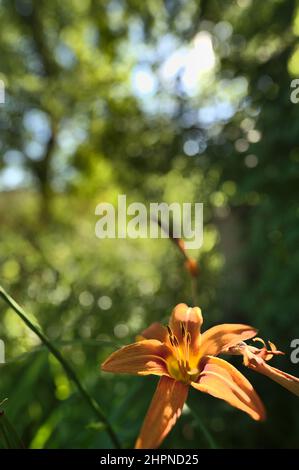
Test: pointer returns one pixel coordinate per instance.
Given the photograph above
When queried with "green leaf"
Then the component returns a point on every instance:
(9, 438)
(64, 363)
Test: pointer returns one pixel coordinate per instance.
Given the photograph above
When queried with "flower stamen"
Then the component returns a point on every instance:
(181, 354)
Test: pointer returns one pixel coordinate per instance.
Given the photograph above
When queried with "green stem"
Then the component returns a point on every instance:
(5, 436)
(204, 430)
(9, 433)
(68, 369)
(57, 342)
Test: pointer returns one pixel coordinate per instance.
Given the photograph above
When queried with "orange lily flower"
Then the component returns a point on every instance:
(257, 359)
(184, 357)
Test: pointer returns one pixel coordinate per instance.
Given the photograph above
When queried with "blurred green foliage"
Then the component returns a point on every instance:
(76, 130)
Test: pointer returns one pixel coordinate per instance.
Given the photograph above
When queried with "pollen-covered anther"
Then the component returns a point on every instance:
(187, 349)
(170, 333)
(175, 341)
(181, 352)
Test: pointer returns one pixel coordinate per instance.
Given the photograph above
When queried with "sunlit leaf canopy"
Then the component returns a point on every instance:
(161, 101)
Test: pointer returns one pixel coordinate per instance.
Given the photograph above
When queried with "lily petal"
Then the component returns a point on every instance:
(141, 358)
(191, 319)
(155, 331)
(222, 380)
(290, 382)
(220, 337)
(164, 410)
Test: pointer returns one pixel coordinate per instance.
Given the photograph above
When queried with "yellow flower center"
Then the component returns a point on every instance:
(178, 364)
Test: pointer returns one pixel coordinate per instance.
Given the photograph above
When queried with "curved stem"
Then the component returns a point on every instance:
(68, 369)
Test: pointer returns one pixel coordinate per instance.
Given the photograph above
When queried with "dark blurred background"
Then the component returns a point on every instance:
(174, 100)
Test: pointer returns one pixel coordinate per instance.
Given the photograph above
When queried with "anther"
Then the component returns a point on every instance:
(183, 330)
(169, 331)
